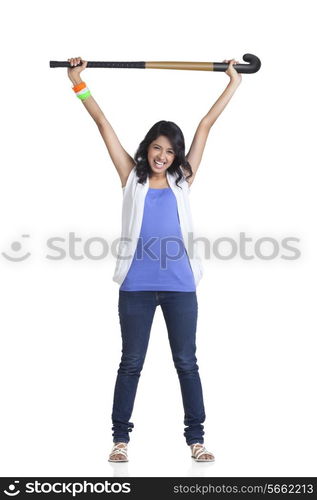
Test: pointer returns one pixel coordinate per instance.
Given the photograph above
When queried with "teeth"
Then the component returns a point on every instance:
(159, 163)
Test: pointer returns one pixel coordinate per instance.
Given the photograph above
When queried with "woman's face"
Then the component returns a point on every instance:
(160, 154)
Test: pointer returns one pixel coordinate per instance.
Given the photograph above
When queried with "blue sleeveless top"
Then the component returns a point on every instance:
(160, 261)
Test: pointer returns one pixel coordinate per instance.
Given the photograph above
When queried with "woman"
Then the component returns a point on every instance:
(156, 211)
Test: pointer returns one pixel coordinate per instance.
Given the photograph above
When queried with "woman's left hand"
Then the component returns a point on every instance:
(234, 75)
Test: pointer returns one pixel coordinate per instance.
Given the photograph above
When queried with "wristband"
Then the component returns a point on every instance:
(82, 91)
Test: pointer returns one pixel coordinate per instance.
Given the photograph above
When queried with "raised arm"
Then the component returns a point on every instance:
(197, 147)
(122, 161)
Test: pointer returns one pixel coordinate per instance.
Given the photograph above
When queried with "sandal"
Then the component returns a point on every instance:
(198, 450)
(118, 450)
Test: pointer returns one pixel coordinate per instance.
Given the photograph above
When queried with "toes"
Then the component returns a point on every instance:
(117, 457)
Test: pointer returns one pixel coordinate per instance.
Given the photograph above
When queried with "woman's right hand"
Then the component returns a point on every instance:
(75, 70)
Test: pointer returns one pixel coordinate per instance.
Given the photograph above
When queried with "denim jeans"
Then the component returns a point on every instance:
(136, 311)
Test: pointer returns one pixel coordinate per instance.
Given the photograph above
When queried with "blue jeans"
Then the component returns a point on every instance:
(136, 311)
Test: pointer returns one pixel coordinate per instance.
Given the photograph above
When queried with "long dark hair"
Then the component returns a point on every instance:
(176, 137)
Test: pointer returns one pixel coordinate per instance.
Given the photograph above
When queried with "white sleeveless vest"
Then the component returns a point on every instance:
(134, 194)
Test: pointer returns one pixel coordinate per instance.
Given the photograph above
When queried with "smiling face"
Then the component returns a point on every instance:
(160, 155)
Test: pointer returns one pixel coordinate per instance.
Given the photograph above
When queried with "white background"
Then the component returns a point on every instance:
(60, 334)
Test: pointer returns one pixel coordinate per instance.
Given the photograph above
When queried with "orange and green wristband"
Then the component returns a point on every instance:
(81, 90)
